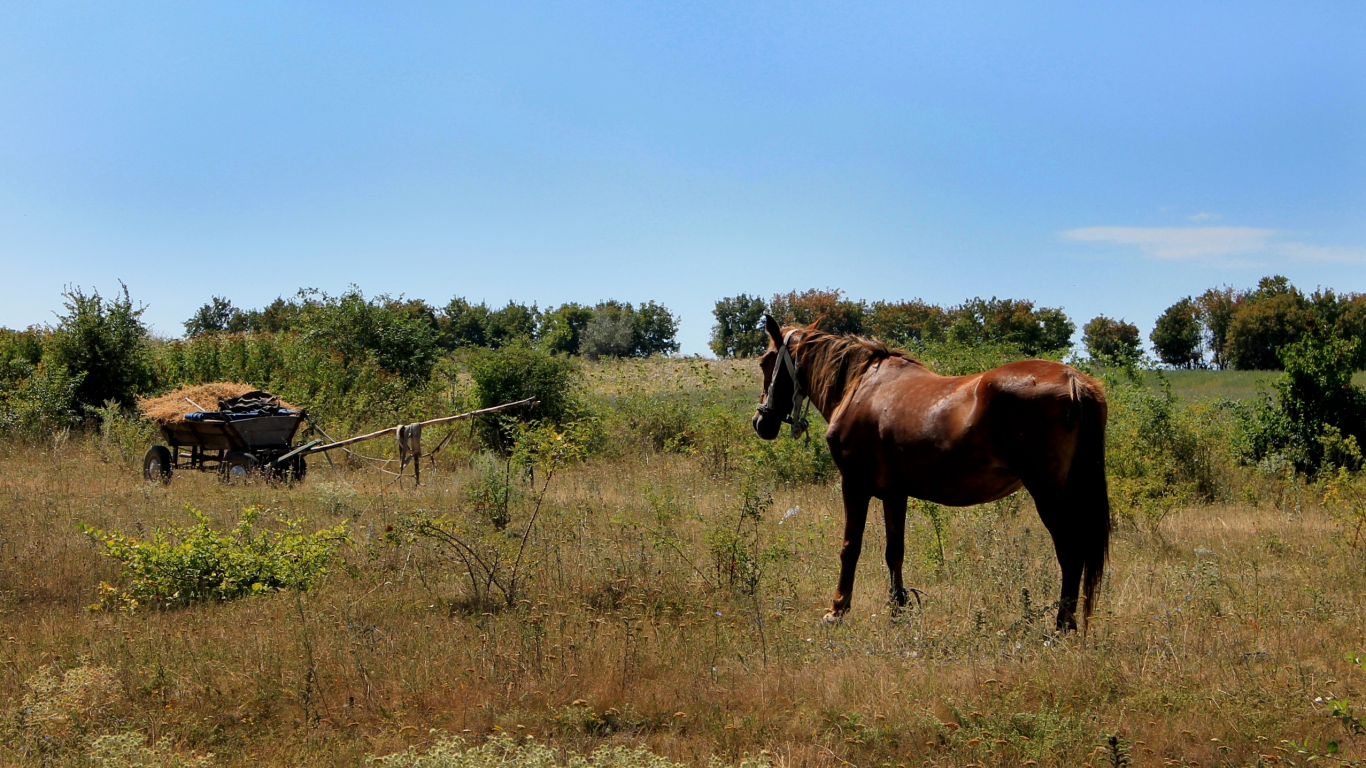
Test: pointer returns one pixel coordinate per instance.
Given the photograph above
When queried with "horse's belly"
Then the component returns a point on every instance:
(958, 486)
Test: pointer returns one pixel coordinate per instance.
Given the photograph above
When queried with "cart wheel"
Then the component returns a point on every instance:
(240, 466)
(156, 465)
(298, 467)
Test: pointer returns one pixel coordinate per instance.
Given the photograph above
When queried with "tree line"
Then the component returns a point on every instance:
(1222, 328)
(1249, 329)
(739, 329)
(418, 329)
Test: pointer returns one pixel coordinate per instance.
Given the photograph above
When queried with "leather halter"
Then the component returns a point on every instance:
(796, 416)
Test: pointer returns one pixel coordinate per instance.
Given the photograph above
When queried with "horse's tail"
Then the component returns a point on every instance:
(1086, 489)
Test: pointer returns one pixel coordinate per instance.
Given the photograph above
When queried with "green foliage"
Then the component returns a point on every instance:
(835, 313)
(198, 564)
(1248, 330)
(398, 337)
(1109, 340)
(217, 316)
(736, 543)
(618, 329)
(343, 394)
(20, 353)
(1317, 419)
(1014, 322)
(41, 403)
(104, 343)
(1176, 335)
(516, 373)
(1160, 455)
(951, 358)
(907, 322)
(561, 329)
(1216, 307)
(1265, 321)
(739, 329)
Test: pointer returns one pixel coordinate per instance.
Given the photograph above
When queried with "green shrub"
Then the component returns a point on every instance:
(197, 564)
(104, 342)
(124, 436)
(1161, 454)
(41, 403)
(952, 358)
(516, 373)
(1317, 418)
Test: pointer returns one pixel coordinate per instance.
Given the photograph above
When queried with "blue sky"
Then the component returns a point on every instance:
(1100, 158)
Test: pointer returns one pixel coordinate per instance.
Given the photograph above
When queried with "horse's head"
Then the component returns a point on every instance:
(782, 395)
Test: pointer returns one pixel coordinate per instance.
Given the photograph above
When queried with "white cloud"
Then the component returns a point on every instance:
(1336, 253)
(1179, 242)
(1203, 216)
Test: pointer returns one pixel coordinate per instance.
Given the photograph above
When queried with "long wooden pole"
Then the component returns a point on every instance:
(442, 420)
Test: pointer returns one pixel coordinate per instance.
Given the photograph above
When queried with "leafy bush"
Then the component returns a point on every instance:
(41, 403)
(608, 334)
(951, 358)
(1317, 418)
(1160, 455)
(561, 329)
(104, 342)
(124, 436)
(197, 564)
(516, 373)
(400, 337)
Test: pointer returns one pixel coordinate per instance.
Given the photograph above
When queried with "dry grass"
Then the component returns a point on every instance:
(172, 406)
(1214, 638)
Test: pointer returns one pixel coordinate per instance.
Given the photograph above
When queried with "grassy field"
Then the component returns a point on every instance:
(676, 606)
(1235, 385)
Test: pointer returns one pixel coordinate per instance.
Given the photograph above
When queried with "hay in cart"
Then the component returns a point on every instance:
(173, 407)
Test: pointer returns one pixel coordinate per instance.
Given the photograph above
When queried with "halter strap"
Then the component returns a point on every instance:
(796, 417)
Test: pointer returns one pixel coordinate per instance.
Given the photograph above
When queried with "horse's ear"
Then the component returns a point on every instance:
(775, 331)
(816, 325)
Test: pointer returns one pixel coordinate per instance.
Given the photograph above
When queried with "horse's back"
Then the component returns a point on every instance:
(959, 439)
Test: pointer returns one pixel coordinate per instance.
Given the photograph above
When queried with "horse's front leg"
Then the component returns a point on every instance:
(894, 515)
(855, 517)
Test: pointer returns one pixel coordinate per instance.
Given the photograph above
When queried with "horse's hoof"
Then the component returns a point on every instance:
(832, 618)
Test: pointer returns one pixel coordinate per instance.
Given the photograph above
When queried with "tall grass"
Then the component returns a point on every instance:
(673, 600)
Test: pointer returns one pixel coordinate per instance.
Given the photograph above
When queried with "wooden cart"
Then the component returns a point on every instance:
(246, 445)
(233, 447)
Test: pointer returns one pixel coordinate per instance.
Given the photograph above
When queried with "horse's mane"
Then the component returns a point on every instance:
(834, 363)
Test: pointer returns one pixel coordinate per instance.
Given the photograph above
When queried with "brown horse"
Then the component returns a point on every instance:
(898, 430)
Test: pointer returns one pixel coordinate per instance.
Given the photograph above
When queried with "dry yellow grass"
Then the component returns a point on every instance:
(1215, 636)
(172, 406)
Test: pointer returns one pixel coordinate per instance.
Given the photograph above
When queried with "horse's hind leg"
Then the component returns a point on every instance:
(1054, 513)
(894, 515)
(855, 518)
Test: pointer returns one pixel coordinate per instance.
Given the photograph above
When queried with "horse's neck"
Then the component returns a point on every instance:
(827, 401)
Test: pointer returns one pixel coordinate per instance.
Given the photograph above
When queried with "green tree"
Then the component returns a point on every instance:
(1112, 340)
(1264, 321)
(739, 329)
(1012, 321)
(1215, 309)
(611, 331)
(513, 324)
(1318, 416)
(218, 316)
(835, 313)
(1176, 335)
(907, 322)
(104, 342)
(654, 330)
(561, 328)
(386, 331)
